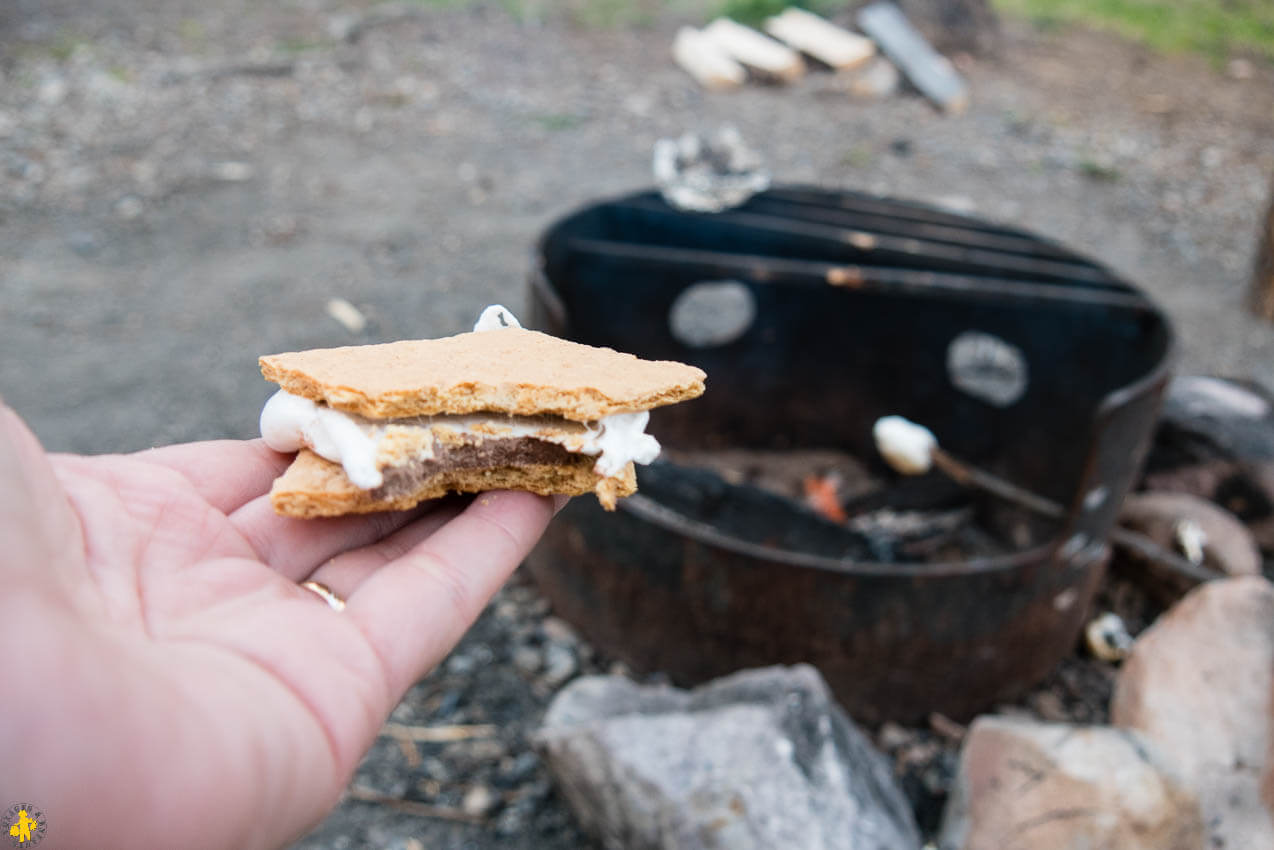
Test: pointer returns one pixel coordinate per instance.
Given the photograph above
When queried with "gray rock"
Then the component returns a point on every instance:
(760, 759)
(560, 664)
(1215, 439)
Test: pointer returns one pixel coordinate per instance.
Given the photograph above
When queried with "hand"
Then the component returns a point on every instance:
(167, 683)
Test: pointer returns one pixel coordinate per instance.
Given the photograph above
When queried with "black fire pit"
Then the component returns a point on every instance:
(814, 313)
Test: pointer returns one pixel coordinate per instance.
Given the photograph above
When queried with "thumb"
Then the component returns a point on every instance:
(36, 520)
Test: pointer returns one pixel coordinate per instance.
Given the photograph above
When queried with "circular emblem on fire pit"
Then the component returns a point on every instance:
(987, 368)
(712, 313)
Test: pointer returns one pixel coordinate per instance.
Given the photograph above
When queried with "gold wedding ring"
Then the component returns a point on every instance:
(325, 593)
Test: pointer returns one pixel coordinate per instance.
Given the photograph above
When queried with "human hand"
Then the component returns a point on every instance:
(168, 683)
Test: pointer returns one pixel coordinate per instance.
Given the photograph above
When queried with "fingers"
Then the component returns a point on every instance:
(227, 473)
(36, 521)
(294, 547)
(345, 572)
(413, 610)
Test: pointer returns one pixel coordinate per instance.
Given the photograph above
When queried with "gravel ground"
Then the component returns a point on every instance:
(184, 186)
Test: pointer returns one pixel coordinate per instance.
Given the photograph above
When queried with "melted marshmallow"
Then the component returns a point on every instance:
(289, 422)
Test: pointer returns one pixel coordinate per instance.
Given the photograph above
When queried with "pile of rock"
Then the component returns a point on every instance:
(1187, 759)
(766, 759)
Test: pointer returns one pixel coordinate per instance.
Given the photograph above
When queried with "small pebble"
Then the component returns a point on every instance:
(436, 768)
(129, 207)
(1240, 69)
(559, 631)
(527, 659)
(233, 172)
(1107, 638)
(84, 244)
(349, 316)
(478, 801)
(560, 665)
(517, 769)
(1049, 706)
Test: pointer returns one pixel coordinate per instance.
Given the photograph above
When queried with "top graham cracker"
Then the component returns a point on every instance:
(510, 370)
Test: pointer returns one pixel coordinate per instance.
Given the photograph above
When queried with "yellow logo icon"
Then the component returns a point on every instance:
(26, 825)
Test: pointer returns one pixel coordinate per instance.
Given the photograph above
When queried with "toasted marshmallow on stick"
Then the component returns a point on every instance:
(383, 427)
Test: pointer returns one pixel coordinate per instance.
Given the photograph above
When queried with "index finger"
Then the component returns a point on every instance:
(415, 609)
(227, 473)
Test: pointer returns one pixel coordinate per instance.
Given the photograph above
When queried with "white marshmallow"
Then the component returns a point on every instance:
(904, 445)
(289, 422)
(496, 317)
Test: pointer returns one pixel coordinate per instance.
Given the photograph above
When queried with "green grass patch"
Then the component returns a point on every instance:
(756, 11)
(65, 45)
(294, 46)
(859, 156)
(1100, 172)
(591, 14)
(1215, 28)
(558, 121)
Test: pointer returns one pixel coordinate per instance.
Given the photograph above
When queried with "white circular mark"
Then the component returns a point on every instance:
(1095, 498)
(987, 368)
(1073, 546)
(712, 313)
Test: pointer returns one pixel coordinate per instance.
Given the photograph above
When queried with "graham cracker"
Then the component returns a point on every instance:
(315, 487)
(511, 370)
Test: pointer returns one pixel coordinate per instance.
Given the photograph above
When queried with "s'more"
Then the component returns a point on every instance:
(384, 427)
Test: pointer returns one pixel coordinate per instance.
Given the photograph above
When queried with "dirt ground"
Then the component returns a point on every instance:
(185, 185)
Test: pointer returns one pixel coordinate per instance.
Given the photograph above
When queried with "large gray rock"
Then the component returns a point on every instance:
(758, 760)
(1215, 439)
(1024, 785)
(1200, 685)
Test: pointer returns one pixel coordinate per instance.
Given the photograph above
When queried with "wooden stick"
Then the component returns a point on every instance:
(820, 38)
(437, 734)
(759, 53)
(703, 59)
(1125, 538)
(969, 476)
(410, 807)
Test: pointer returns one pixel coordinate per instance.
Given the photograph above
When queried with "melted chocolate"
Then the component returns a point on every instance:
(407, 477)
